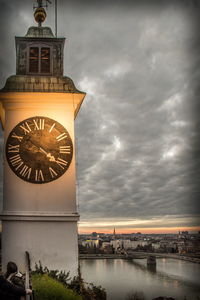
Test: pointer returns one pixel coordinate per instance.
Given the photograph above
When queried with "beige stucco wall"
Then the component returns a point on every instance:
(40, 218)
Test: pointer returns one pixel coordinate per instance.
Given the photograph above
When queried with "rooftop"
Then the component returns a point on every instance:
(39, 32)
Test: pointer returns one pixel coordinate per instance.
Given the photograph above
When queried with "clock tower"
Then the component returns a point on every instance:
(38, 109)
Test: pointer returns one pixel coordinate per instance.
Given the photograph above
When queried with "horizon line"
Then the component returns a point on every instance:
(160, 230)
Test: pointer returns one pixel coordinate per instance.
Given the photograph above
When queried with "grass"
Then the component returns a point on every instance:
(46, 288)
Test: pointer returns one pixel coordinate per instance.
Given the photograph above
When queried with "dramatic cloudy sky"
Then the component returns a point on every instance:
(137, 133)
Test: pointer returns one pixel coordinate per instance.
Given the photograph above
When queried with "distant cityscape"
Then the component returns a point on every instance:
(100, 243)
(182, 243)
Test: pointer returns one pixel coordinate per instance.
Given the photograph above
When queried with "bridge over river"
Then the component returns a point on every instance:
(140, 255)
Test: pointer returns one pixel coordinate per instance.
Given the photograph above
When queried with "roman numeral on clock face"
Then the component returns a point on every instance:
(65, 149)
(25, 127)
(61, 162)
(52, 172)
(39, 124)
(26, 172)
(14, 135)
(13, 148)
(39, 175)
(16, 161)
(61, 137)
(52, 127)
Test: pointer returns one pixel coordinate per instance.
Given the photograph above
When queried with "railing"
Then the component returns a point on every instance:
(28, 281)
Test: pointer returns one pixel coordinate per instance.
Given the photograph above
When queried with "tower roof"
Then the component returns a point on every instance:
(39, 32)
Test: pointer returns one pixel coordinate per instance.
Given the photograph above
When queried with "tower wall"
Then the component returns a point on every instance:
(54, 243)
(40, 218)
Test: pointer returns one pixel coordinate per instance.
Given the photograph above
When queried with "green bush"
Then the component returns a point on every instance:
(47, 288)
(87, 291)
(60, 276)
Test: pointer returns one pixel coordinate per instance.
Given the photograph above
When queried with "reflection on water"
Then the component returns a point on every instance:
(172, 278)
(151, 268)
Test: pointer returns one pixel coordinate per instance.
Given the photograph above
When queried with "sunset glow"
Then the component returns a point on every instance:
(161, 230)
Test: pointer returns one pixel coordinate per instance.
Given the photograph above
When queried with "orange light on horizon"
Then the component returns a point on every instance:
(160, 230)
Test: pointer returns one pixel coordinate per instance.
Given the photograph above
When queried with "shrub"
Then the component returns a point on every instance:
(87, 291)
(47, 288)
(60, 276)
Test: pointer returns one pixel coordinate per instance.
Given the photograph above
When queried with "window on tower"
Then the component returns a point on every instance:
(45, 60)
(34, 60)
(39, 60)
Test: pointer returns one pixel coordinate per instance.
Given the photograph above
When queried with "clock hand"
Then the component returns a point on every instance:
(34, 143)
(51, 157)
(42, 150)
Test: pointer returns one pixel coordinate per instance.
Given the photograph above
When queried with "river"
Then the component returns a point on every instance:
(172, 277)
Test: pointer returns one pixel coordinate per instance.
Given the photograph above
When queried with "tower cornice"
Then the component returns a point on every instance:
(43, 84)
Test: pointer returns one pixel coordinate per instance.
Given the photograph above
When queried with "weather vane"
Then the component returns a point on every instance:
(40, 13)
(40, 3)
